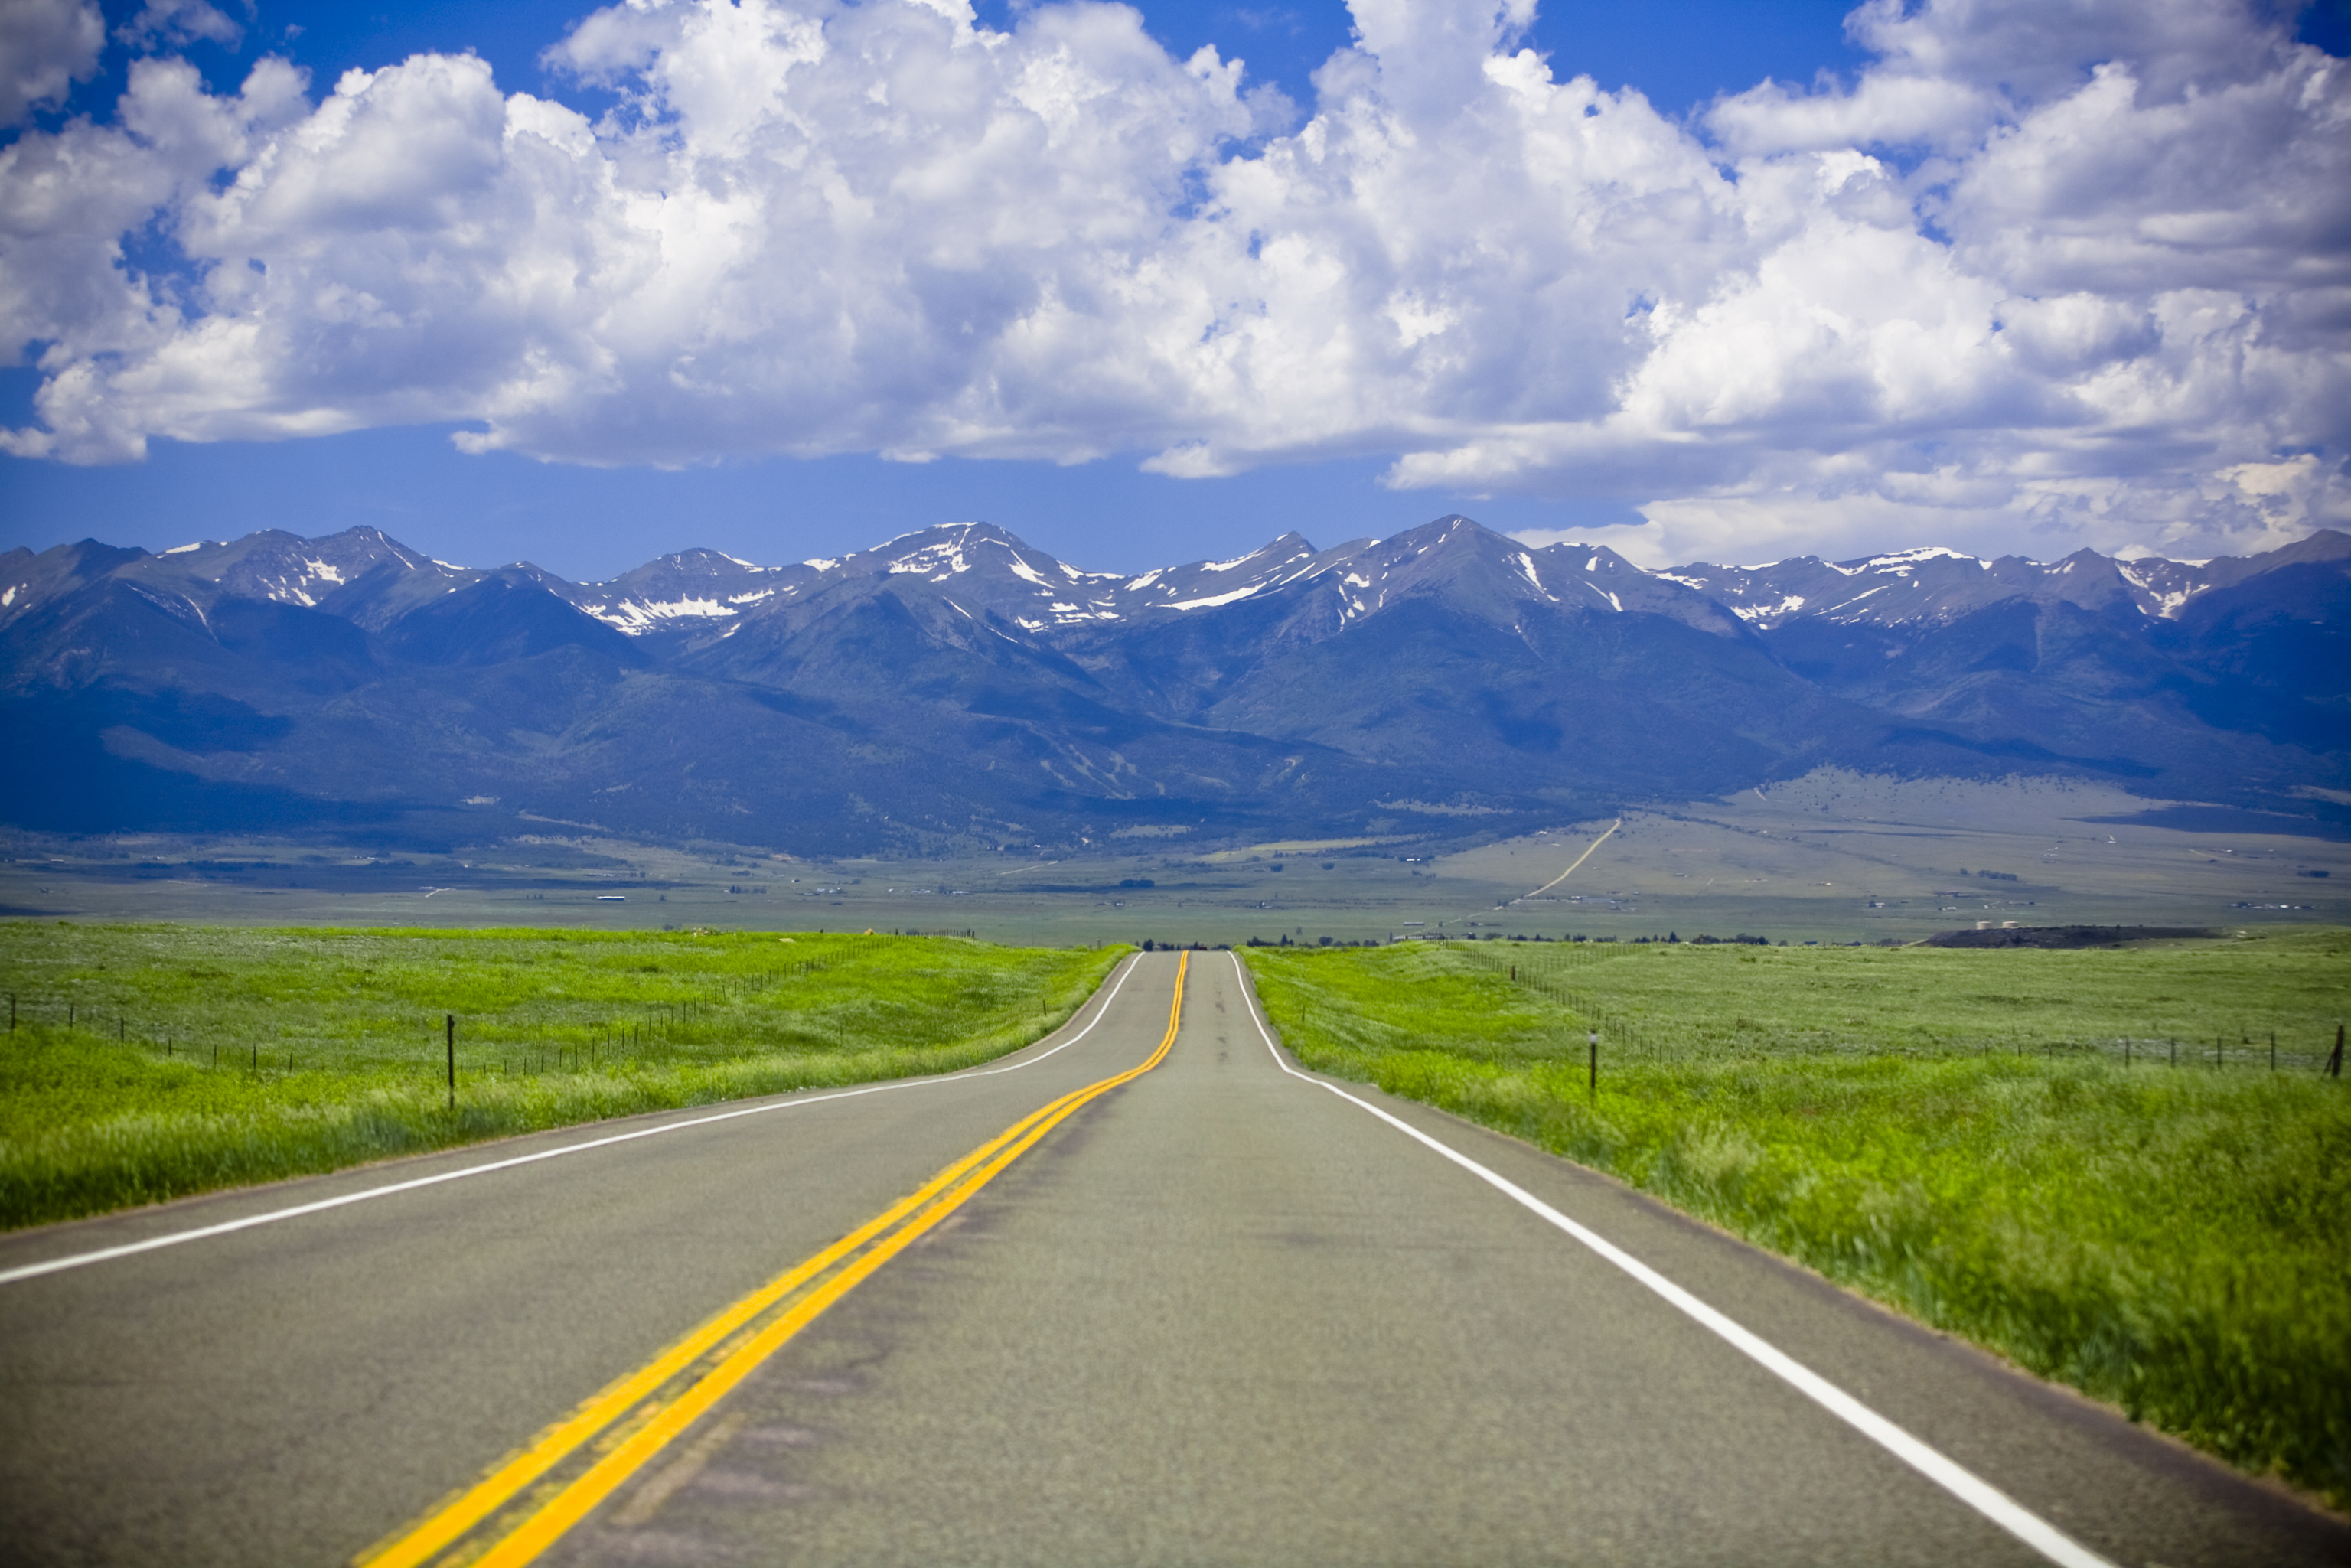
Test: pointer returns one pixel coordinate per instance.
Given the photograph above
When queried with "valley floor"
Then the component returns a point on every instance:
(1834, 857)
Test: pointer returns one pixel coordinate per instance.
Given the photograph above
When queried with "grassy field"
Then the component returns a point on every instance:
(1957, 1133)
(147, 1062)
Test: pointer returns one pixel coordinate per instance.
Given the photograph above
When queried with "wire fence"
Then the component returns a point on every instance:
(1573, 976)
(710, 1017)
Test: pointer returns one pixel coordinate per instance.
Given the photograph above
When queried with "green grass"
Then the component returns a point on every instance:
(206, 1057)
(1955, 1133)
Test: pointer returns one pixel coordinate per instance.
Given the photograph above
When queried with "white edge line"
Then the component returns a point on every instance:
(107, 1254)
(1954, 1478)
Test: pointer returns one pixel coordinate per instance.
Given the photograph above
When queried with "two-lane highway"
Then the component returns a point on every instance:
(1215, 1311)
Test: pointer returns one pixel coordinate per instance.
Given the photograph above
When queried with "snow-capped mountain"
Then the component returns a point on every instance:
(959, 680)
(1936, 584)
(988, 573)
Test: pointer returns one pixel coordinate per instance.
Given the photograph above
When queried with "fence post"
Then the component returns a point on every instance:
(2335, 1062)
(452, 1061)
(1595, 1043)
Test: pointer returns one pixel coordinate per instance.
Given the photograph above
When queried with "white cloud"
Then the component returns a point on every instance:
(45, 46)
(2064, 273)
(170, 22)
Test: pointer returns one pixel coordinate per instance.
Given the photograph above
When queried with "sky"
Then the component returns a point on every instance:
(1699, 280)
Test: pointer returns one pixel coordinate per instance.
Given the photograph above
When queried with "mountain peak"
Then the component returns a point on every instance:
(367, 576)
(958, 678)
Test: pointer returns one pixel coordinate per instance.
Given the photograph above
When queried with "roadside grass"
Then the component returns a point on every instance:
(1953, 1132)
(195, 1058)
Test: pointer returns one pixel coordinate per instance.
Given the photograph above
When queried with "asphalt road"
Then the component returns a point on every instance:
(1217, 1314)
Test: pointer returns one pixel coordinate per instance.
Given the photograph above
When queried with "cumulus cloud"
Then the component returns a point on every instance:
(45, 46)
(2074, 273)
(175, 22)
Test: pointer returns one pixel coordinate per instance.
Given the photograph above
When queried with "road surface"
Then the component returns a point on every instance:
(1211, 1312)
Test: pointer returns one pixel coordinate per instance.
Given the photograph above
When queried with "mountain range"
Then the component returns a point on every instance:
(957, 686)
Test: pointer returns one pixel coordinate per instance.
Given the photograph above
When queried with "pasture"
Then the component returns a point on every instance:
(147, 1062)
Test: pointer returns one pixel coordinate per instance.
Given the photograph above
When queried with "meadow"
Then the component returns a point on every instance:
(147, 1062)
(1995, 1142)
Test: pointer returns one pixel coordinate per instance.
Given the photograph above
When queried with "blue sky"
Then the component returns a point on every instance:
(1533, 436)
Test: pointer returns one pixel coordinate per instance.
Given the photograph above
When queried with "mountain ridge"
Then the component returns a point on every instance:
(958, 684)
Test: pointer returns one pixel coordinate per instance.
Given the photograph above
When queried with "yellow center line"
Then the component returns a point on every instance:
(928, 1205)
(552, 1446)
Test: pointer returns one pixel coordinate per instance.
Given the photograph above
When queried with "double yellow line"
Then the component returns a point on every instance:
(532, 1496)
